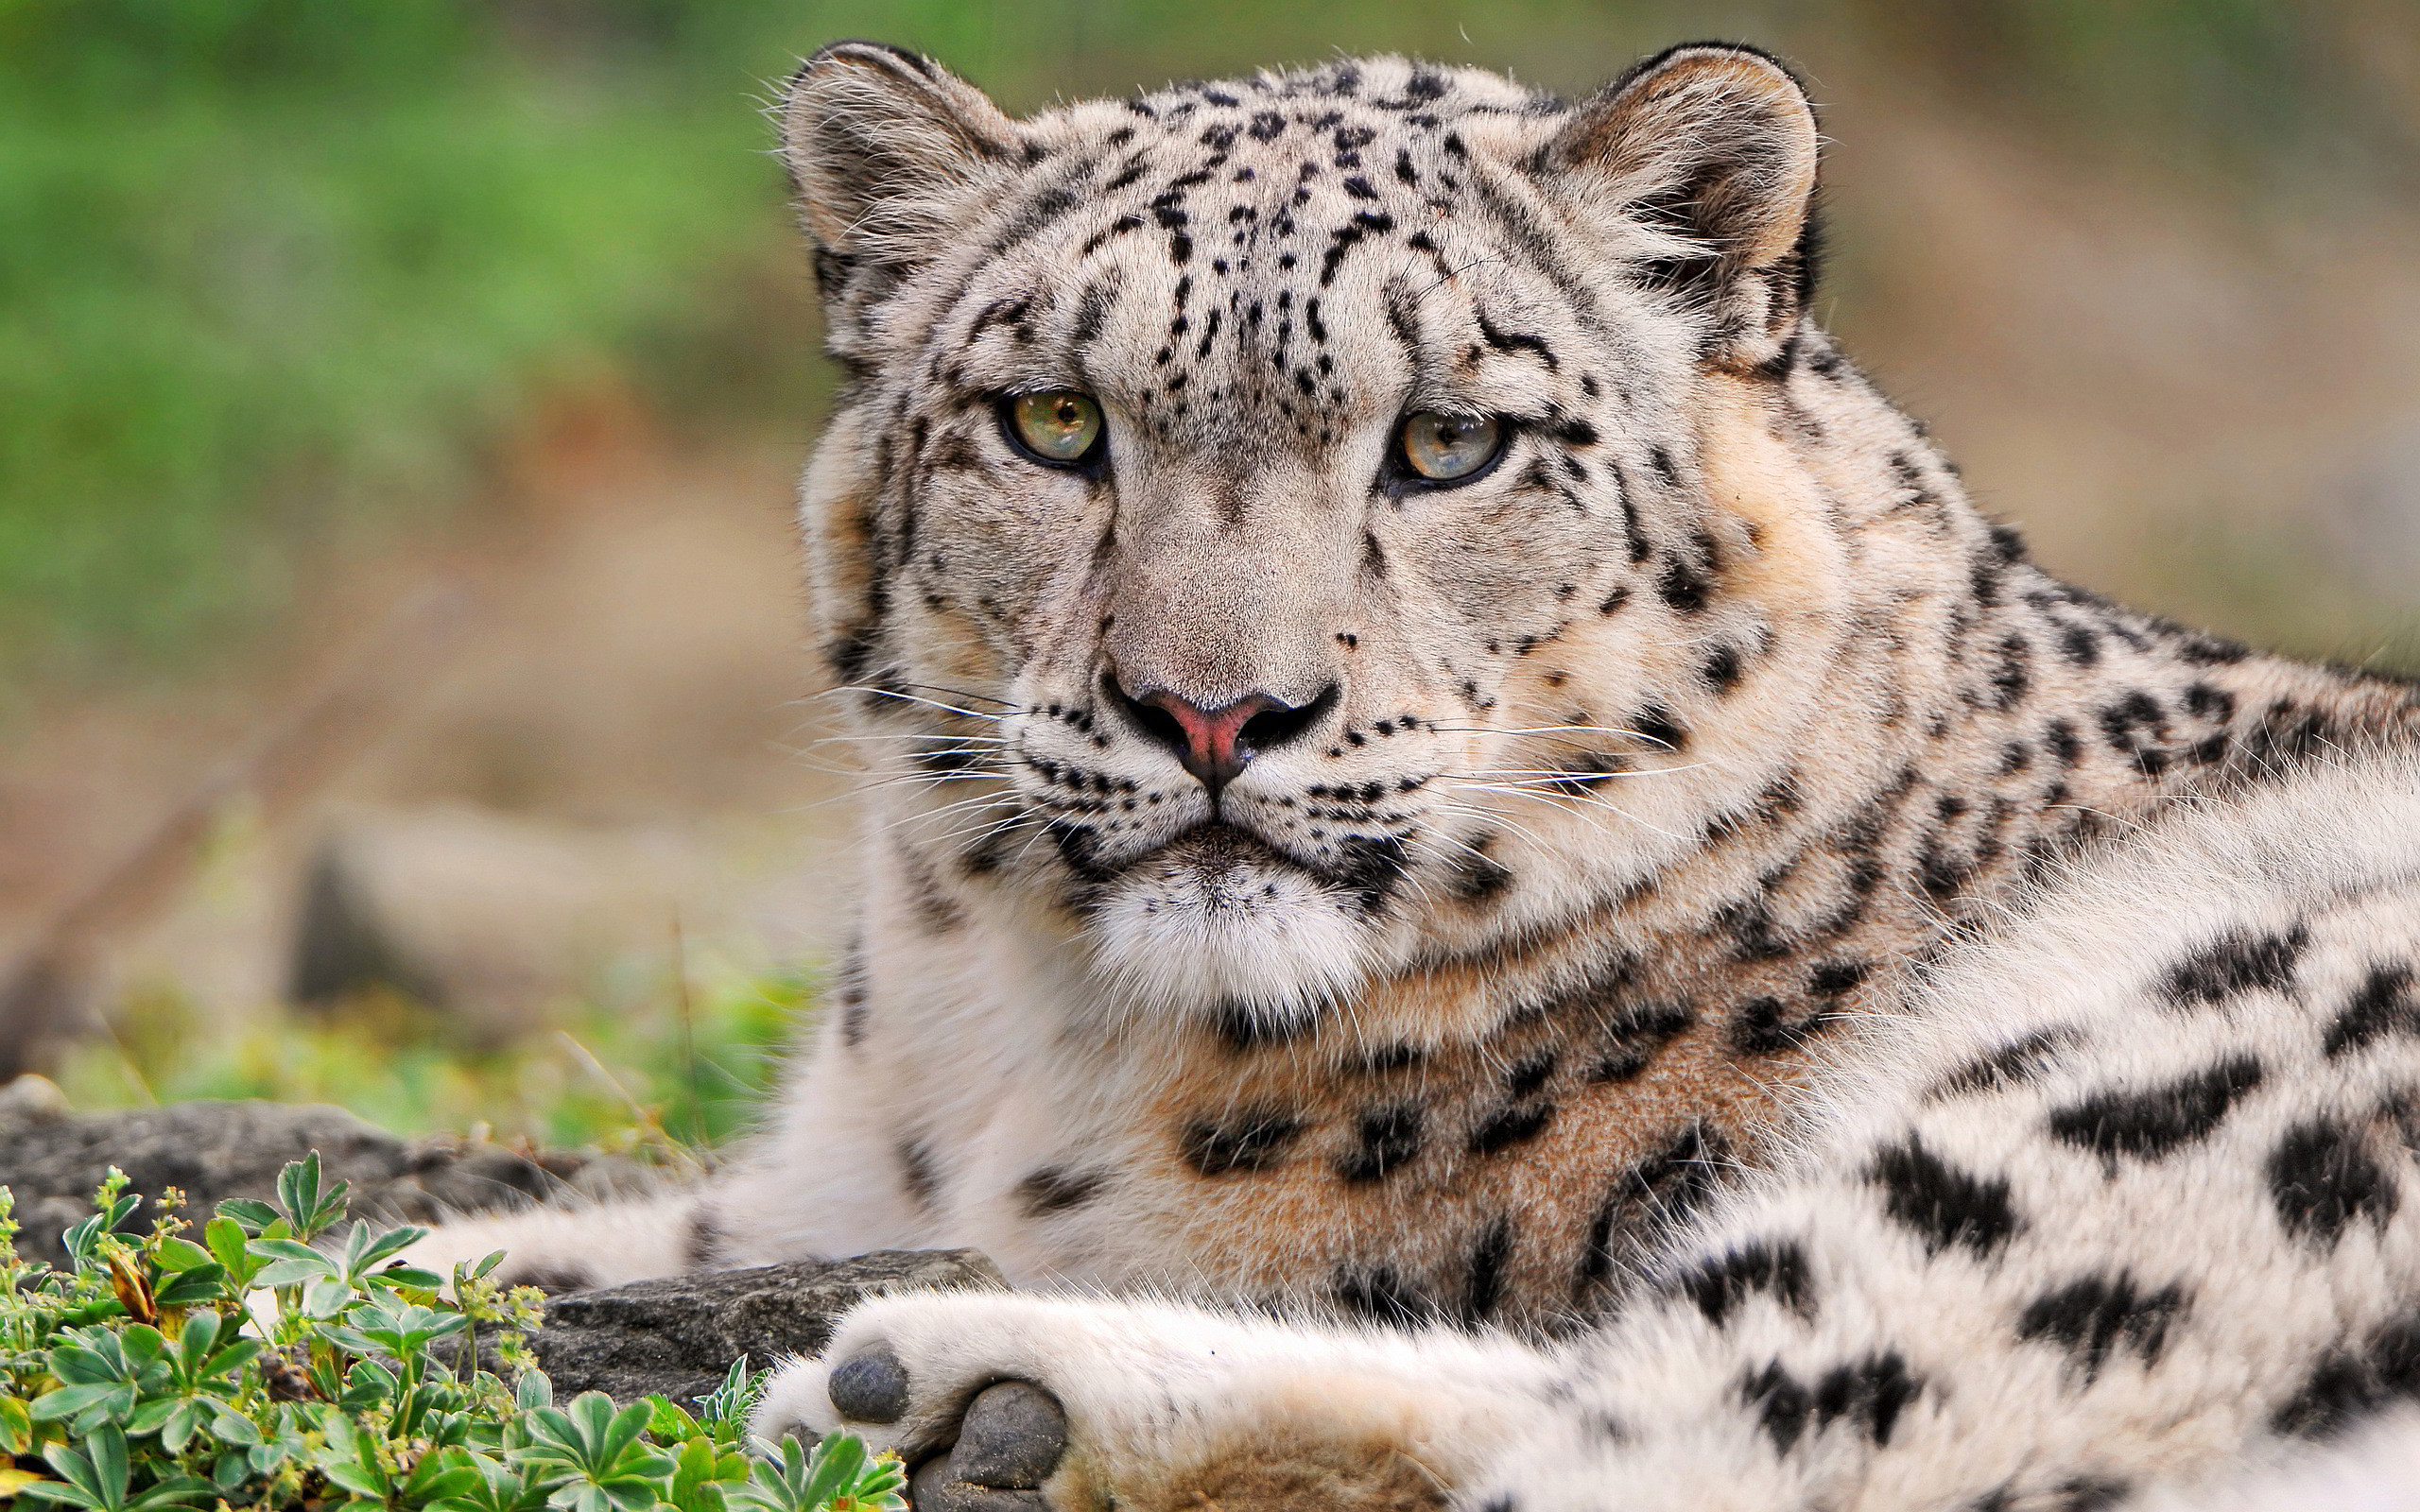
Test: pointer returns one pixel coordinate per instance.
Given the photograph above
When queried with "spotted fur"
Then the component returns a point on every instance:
(1615, 791)
(2145, 1260)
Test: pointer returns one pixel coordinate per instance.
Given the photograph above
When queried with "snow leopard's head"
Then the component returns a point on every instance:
(1259, 511)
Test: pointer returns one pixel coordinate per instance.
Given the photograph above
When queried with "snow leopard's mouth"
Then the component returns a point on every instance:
(1230, 861)
(1217, 844)
(1218, 918)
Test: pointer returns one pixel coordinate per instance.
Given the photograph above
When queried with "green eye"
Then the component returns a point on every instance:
(1061, 427)
(1450, 448)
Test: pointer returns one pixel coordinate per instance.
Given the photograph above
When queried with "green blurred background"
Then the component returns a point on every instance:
(316, 313)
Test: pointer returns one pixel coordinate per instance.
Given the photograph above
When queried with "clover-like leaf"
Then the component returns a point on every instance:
(201, 1358)
(667, 1423)
(111, 1210)
(205, 1283)
(225, 1239)
(837, 1471)
(95, 1480)
(441, 1473)
(500, 1487)
(16, 1425)
(591, 1457)
(290, 1262)
(87, 1406)
(248, 1213)
(402, 1330)
(726, 1410)
(350, 1459)
(310, 1206)
(99, 1479)
(705, 1475)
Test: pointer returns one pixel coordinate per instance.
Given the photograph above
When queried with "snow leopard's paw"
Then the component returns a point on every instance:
(1022, 1403)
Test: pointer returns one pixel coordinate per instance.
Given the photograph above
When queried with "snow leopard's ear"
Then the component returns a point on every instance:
(890, 154)
(1709, 150)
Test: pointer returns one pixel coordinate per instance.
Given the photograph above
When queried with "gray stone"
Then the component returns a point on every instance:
(31, 1099)
(679, 1334)
(52, 1159)
(936, 1488)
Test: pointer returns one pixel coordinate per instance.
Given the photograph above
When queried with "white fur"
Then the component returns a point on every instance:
(1179, 935)
(1151, 1385)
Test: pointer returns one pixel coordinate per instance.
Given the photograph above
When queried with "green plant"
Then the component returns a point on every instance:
(282, 1363)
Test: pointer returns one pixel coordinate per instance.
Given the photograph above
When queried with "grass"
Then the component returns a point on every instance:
(655, 1072)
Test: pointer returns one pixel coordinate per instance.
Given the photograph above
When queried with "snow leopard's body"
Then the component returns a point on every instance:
(2125, 1211)
(1611, 809)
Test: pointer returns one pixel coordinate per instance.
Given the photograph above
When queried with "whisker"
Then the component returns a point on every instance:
(909, 698)
(1494, 820)
(1518, 792)
(961, 692)
(871, 782)
(970, 805)
(1543, 729)
(924, 817)
(1606, 805)
(926, 780)
(981, 831)
(1597, 806)
(1460, 844)
(860, 788)
(986, 837)
(961, 761)
(1547, 777)
(867, 777)
(867, 740)
(1041, 829)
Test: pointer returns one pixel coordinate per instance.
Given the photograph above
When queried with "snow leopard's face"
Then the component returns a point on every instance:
(1291, 484)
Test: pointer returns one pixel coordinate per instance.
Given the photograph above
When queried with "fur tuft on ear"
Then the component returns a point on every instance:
(1712, 148)
(890, 154)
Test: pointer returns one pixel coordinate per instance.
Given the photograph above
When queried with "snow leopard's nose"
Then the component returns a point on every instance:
(1216, 745)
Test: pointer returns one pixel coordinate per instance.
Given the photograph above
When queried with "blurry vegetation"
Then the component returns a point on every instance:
(656, 1072)
(265, 265)
(272, 271)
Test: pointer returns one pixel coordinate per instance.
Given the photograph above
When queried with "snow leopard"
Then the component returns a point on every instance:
(1480, 867)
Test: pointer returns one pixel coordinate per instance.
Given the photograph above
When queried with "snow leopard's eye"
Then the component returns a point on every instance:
(1061, 427)
(1450, 448)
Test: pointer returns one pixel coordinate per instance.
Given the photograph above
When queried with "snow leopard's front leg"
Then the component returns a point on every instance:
(1010, 1403)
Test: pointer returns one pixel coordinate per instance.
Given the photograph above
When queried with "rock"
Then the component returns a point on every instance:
(492, 918)
(52, 1159)
(680, 1335)
(31, 1099)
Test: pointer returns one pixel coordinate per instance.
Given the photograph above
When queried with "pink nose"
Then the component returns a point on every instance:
(1216, 745)
(1213, 749)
